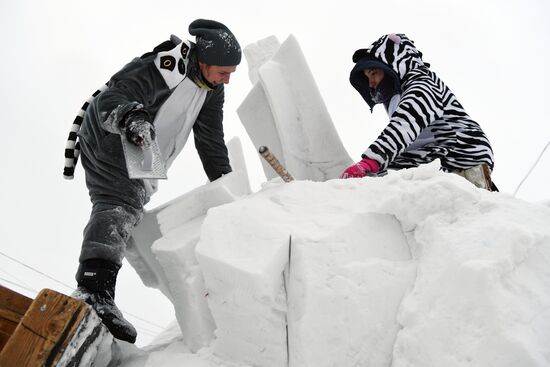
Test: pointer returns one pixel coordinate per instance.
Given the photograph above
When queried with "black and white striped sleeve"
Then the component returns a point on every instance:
(419, 106)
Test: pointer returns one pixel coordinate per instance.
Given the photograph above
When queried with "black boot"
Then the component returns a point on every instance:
(96, 286)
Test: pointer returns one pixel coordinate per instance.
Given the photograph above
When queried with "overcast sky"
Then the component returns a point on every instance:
(492, 54)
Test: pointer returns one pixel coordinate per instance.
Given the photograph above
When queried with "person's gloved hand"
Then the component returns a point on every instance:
(140, 133)
(138, 130)
(361, 168)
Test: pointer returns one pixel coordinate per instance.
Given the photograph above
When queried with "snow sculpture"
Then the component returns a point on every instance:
(415, 268)
(285, 111)
(253, 280)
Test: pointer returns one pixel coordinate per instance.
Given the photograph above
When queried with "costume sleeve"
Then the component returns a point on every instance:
(419, 106)
(209, 136)
(136, 83)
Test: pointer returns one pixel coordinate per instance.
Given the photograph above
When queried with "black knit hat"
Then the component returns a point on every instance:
(216, 45)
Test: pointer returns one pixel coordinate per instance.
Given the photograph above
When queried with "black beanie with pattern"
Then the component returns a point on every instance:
(216, 45)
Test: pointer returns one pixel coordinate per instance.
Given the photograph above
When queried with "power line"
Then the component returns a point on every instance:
(36, 270)
(18, 285)
(532, 168)
(149, 332)
(14, 278)
(65, 285)
(141, 319)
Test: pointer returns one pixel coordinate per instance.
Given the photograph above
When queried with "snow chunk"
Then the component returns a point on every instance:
(285, 112)
(413, 269)
(162, 248)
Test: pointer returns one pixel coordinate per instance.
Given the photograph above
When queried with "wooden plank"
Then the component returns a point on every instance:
(13, 301)
(12, 308)
(45, 331)
(8, 322)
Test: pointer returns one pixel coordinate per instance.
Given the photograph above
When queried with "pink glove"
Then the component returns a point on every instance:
(360, 169)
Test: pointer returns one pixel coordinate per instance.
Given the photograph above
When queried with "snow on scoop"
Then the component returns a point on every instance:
(274, 162)
(146, 162)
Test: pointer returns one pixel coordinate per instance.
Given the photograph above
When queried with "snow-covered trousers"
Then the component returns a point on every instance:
(117, 200)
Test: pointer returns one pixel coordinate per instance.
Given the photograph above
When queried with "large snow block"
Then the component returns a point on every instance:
(175, 252)
(243, 269)
(285, 112)
(258, 54)
(416, 268)
(345, 290)
(162, 248)
(194, 204)
(332, 266)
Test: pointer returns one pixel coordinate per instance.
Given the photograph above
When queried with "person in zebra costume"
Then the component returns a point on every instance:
(164, 94)
(426, 120)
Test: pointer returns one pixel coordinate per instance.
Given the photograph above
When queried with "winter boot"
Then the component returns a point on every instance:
(96, 286)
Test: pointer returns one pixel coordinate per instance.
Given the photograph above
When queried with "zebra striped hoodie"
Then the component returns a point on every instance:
(426, 120)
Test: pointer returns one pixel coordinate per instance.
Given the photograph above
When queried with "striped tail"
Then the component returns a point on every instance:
(72, 149)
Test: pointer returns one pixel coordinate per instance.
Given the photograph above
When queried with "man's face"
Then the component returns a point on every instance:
(215, 74)
(375, 76)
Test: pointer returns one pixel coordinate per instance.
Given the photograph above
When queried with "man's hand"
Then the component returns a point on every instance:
(137, 128)
(361, 168)
(140, 133)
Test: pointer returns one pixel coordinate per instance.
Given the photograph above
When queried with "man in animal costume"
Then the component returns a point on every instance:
(157, 98)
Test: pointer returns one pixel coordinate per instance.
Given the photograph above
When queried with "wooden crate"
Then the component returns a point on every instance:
(56, 330)
(12, 308)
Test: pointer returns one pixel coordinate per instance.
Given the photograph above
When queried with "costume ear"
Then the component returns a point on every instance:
(359, 54)
(395, 38)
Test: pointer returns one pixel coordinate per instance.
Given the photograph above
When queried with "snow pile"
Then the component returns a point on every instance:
(325, 244)
(418, 268)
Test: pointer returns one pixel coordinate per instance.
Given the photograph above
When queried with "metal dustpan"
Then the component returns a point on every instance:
(143, 162)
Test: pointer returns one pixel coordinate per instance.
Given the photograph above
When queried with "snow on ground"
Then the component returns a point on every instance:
(418, 268)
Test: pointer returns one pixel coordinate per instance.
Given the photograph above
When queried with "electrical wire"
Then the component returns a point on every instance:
(18, 285)
(14, 278)
(36, 270)
(34, 292)
(71, 288)
(141, 319)
(149, 332)
(532, 168)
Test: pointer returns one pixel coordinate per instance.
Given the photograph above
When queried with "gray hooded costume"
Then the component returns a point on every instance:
(164, 94)
(171, 70)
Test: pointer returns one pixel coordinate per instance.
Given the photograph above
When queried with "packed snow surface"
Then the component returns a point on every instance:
(417, 268)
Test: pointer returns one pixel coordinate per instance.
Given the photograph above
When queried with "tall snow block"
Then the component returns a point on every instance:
(162, 249)
(345, 290)
(301, 279)
(243, 268)
(285, 112)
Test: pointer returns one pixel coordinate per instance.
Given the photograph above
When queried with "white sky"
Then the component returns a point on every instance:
(492, 54)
